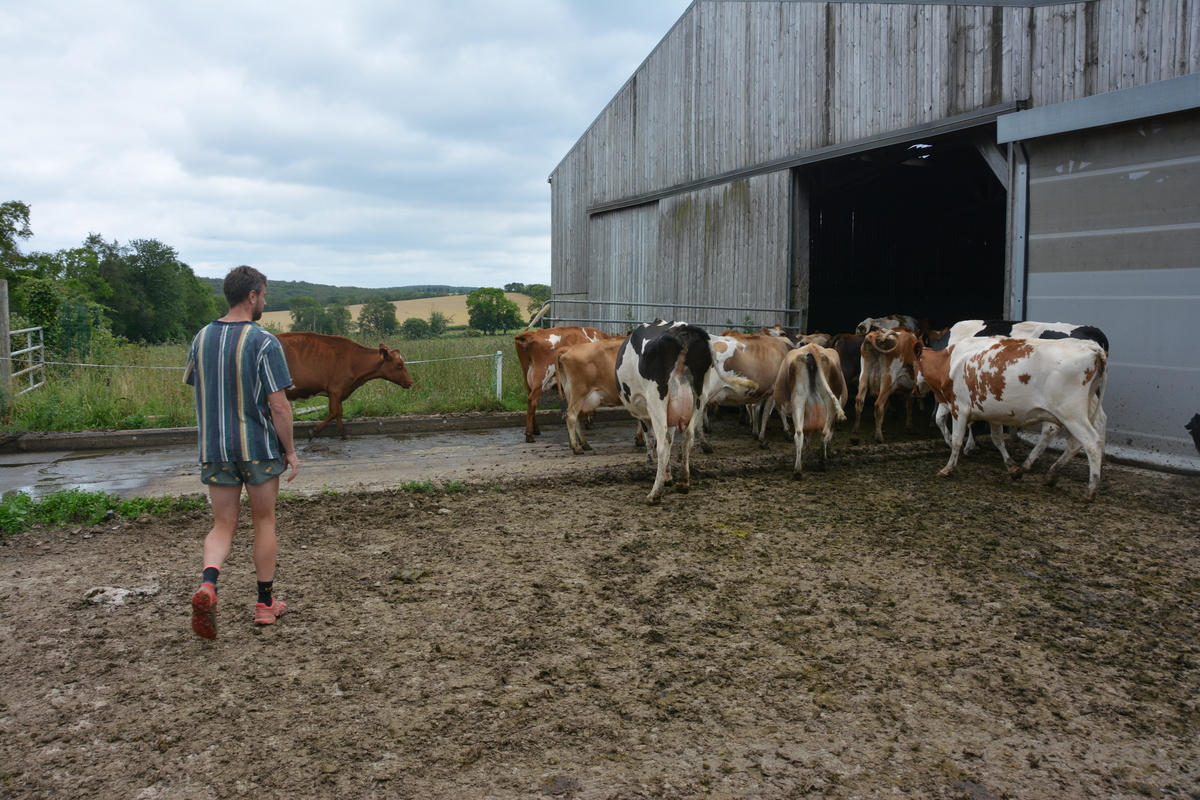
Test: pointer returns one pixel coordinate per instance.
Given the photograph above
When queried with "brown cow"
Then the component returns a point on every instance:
(587, 380)
(745, 366)
(810, 388)
(887, 357)
(537, 351)
(334, 366)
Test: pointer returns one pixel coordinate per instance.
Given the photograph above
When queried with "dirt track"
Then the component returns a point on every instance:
(869, 631)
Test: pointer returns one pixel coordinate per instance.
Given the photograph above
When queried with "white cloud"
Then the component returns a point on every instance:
(369, 143)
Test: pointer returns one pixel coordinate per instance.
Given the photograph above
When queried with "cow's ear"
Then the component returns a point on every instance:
(383, 351)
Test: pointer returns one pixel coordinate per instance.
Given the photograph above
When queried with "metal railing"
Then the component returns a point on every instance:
(786, 313)
(34, 365)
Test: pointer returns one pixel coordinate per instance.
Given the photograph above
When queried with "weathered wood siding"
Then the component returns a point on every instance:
(735, 84)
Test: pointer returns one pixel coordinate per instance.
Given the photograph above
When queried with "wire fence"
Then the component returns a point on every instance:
(498, 356)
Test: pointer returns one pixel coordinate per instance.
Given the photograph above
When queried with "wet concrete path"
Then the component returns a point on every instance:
(361, 462)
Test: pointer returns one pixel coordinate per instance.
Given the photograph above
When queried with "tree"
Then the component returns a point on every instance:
(438, 322)
(377, 318)
(515, 288)
(307, 314)
(490, 311)
(415, 328)
(338, 319)
(14, 224)
(538, 294)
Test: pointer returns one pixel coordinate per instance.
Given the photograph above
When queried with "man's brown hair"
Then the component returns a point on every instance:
(241, 281)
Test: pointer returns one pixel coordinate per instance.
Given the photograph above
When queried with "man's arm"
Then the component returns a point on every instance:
(281, 418)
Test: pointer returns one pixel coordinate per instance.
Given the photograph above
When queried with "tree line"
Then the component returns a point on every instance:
(488, 310)
(281, 293)
(139, 291)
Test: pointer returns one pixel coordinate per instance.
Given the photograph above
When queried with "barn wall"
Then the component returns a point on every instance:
(737, 84)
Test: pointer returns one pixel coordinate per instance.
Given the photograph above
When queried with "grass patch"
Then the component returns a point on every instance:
(146, 390)
(76, 506)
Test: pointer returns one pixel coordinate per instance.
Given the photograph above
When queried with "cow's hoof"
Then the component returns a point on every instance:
(797, 475)
(762, 444)
(943, 473)
(529, 438)
(854, 440)
(683, 488)
(1016, 474)
(654, 501)
(587, 446)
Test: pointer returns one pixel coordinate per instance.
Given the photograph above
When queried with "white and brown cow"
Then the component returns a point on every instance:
(1022, 382)
(810, 388)
(890, 322)
(1025, 329)
(537, 351)
(745, 366)
(661, 372)
(887, 357)
(587, 380)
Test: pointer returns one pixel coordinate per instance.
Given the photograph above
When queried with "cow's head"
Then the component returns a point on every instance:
(393, 367)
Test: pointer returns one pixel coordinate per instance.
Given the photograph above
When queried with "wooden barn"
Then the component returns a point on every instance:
(816, 163)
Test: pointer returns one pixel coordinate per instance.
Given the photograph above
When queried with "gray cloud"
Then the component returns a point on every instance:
(369, 143)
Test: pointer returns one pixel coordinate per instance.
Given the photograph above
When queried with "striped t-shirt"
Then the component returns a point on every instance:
(233, 366)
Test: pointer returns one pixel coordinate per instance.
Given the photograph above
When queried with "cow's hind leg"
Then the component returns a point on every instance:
(662, 448)
(798, 425)
(997, 433)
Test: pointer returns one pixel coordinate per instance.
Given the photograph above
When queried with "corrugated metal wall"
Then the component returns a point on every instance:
(736, 84)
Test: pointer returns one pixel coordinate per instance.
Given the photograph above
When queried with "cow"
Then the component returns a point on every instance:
(587, 380)
(888, 323)
(1193, 427)
(849, 350)
(1018, 330)
(797, 339)
(886, 368)
(745, 366)
(1024, 382)
(536, 352)
(661, 373)
(809, 386)
(1025, 330)
(334, 366)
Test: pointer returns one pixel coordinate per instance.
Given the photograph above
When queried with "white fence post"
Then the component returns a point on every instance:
(5, 346)
(499, 375)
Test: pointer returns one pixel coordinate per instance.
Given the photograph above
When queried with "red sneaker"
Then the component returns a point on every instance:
(204, 611)
(267, 614)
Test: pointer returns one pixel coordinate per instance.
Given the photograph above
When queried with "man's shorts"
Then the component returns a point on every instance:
(235, 473)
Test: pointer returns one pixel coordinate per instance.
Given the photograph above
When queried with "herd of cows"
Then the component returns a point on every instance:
(666, 374)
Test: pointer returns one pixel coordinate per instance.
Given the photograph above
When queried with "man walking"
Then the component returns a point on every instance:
(245, 433)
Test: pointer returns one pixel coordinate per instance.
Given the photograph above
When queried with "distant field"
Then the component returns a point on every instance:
(454, 307)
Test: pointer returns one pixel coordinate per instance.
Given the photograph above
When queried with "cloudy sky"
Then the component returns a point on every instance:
(382, 143)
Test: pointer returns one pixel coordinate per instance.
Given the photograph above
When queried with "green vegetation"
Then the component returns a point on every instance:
(280, 293)
(491, 312)
(139, 291)
(148, 389)
(76, 506)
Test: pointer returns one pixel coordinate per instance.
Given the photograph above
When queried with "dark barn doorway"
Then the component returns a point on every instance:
(917, 229)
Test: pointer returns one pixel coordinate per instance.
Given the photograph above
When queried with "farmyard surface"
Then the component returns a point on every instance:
(869, 631)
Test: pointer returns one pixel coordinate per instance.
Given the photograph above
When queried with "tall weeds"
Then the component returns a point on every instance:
(139, 386)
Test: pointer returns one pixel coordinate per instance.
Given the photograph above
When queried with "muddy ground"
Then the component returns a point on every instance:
(870, 631)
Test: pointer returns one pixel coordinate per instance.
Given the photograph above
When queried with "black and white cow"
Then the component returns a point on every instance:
(661, 373)
(1025, 329)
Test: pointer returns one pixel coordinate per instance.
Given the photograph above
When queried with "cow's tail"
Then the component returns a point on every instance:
(1099, 383)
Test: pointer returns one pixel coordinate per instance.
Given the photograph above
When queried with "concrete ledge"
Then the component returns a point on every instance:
(376, 426)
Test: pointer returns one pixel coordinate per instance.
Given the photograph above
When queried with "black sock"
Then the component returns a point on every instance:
(264, 592)
(210, 576)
